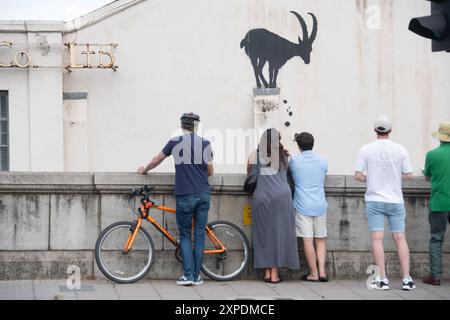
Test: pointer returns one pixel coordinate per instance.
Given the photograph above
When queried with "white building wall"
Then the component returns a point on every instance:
(16, 83)
(35, 102)
(178, 56)
(46, 108)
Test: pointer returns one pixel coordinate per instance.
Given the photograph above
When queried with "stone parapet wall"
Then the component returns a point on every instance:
(49, 221)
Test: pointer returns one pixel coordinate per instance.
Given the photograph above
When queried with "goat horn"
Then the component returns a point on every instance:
(314, 30)
(303, 24)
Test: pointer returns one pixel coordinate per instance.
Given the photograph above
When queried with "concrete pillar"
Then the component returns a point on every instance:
(266, 110)
(76, 140)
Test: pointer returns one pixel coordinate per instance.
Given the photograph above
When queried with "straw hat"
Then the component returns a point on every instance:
(443, 133)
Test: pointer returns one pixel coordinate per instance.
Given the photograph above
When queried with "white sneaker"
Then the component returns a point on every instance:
(408, 284)
(185, 280)
(380, 284)
(197, 280)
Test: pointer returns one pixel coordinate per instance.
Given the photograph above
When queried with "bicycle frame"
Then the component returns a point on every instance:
(144, 214)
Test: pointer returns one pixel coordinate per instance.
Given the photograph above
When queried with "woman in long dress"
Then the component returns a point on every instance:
(273, 220)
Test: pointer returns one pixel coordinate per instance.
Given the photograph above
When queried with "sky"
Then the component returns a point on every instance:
(47, 9)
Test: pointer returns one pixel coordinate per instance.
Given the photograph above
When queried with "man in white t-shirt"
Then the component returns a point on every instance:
(382, 164)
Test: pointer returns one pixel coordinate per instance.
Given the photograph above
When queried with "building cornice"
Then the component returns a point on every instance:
(89, 19)
(23, 26)
(98, 15)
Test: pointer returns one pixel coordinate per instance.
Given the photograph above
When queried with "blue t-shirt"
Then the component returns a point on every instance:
(308, 171)
(191, 154)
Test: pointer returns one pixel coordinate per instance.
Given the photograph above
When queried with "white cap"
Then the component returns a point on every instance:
(383, 124)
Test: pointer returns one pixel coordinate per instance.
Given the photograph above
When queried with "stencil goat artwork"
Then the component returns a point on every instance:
(263, 46)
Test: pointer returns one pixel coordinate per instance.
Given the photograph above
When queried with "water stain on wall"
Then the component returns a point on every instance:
(32, 206)
(344, 223)
(266, 105)
(361, 6)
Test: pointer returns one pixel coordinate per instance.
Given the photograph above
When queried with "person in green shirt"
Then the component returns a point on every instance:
(437, 169)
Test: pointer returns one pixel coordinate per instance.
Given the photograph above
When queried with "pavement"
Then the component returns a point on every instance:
(212, 290)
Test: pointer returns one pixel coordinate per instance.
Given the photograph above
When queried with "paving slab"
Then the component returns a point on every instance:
(255, 289)
(102, 290)
(16, 290)
(295, 290)
(137, 291)
(442, 291)
(332, 290)
(420, 293)
(359, 287)
(51, 290)
(168, 290)
(213, 290)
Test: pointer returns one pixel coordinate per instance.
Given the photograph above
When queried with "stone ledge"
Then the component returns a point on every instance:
(106, 182)
(46, 182)
(117, 182)
(416, 186)
(46, 178)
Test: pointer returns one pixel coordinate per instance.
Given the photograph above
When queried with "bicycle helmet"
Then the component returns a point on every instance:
(189, 119)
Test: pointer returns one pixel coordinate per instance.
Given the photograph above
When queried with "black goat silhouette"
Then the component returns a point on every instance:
(264, 46)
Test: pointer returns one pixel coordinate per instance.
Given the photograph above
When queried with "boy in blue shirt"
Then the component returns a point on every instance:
(308, 171)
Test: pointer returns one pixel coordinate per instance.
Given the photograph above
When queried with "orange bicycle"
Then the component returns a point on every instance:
(124, 250)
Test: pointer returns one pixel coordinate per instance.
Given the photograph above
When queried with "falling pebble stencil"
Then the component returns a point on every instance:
(289, 112)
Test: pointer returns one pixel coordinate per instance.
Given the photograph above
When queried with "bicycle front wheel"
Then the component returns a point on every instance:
(120, 266)
(230, 264)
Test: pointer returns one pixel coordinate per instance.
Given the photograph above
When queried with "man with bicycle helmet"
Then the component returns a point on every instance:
(193, 164)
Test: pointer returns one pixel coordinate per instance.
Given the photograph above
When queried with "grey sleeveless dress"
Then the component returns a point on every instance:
(273, 222)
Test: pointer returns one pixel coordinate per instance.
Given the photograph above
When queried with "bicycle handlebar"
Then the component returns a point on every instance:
(143, 192)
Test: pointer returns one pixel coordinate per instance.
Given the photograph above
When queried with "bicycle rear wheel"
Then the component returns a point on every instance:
(230, 264)
(117, 265)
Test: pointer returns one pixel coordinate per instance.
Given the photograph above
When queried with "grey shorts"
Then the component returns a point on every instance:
(310, 227)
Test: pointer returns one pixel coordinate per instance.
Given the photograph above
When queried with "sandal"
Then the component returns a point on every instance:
(267, 280)
(305, 278)
(323, 279)
(277, 281)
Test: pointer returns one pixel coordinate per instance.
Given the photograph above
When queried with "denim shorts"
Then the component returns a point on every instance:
(394, 212)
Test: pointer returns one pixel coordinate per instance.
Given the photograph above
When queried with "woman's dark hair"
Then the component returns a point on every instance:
(270, 142)
(305, 141)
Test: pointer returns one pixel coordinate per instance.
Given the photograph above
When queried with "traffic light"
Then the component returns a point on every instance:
(436, 26)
